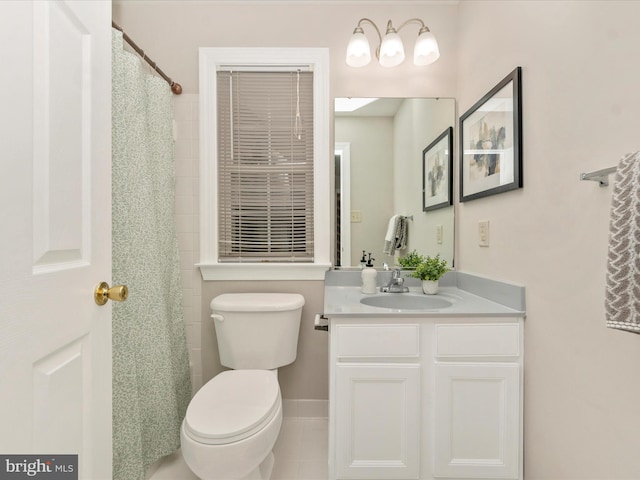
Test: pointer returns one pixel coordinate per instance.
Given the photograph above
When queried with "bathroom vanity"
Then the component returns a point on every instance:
(426, 392)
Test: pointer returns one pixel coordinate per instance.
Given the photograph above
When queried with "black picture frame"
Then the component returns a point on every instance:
(437, 172)
(491, 141)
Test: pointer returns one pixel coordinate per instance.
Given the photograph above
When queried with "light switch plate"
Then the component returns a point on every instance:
(356, 216)
(483, 233)
(439, 234)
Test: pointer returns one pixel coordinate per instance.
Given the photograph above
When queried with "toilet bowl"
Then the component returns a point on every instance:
(233, 421)
(231, 426)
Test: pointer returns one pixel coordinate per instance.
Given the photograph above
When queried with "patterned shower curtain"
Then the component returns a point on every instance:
(151, 382)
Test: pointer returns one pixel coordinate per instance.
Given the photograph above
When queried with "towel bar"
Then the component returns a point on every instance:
(600, 176)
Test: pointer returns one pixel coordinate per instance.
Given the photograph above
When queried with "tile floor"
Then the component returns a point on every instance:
(301, 453)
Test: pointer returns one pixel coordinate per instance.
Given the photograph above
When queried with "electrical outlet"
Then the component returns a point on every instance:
(439, 234)
(483, 233)
(356, 216)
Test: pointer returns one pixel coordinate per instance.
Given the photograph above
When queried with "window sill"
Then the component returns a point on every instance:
(263, 271)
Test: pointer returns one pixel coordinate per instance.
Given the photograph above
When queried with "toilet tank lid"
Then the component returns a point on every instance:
(257, 302)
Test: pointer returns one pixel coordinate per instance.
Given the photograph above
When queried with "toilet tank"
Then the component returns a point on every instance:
(257, 330)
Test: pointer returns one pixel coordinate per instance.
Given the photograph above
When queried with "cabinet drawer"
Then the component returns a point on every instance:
(477, 340)
(377, 340)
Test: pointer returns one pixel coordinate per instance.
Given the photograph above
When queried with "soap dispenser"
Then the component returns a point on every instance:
(363, 260)
(369, 274)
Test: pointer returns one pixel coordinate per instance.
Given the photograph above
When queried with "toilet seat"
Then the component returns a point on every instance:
(232, 406)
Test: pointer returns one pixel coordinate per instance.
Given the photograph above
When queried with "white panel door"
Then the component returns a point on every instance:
(477, 427)
(55, 247)
(377, 421)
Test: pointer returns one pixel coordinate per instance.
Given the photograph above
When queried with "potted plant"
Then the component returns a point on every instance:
(429, 271)
(411, 260)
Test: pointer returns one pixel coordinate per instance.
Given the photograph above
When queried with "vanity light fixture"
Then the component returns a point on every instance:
(390, 51)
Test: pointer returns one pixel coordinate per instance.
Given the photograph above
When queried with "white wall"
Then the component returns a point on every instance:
(581, 95)
(171, 31)
(581, 98)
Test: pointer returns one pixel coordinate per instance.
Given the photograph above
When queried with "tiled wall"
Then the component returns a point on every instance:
(186, 215)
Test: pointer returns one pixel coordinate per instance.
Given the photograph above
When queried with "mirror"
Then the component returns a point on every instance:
(379, 173)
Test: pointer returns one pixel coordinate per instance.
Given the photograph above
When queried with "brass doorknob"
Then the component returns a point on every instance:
(117, 293)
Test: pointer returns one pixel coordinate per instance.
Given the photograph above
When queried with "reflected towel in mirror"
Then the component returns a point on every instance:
(397, 234)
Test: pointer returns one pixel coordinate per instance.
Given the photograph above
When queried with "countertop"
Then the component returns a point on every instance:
(470, 295)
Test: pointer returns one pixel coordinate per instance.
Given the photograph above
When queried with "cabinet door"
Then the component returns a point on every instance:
(377, 421)
(477, 426)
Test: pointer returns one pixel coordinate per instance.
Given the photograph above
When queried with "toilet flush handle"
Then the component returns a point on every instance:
(218, 317)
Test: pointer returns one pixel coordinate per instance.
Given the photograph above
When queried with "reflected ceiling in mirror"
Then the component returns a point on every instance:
(379, 174)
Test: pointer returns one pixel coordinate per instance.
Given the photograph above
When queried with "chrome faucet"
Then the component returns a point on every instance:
(396, 284)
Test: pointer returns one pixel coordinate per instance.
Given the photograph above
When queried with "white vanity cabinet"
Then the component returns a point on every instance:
(425, 398)
(478, 393)
(376, 400)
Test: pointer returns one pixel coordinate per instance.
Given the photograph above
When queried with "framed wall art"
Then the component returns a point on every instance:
(437, 172)
(491, 141)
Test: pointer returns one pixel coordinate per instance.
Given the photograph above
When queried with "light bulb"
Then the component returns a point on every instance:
(391, 50)
(358, 51)
(426, 50)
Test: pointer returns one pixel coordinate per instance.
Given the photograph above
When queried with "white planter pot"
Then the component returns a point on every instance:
(430, 287)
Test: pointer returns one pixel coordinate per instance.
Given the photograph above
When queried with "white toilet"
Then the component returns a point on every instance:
(232, 423)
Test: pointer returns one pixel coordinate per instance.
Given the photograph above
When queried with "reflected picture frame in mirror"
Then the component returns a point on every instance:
(437, 172)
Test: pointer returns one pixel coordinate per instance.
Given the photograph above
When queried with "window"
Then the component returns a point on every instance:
(265, 164)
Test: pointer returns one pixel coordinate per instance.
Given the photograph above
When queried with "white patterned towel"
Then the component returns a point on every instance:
(622, 297)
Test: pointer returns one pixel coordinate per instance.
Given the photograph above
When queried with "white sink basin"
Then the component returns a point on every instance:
(404, 301)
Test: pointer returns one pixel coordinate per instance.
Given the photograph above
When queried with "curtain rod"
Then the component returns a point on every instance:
(175, 87)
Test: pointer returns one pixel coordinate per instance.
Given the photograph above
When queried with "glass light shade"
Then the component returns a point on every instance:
(426, 50)
(391, 50)
(358, 51)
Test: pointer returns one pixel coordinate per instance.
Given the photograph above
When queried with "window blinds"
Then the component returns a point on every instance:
(265, 166)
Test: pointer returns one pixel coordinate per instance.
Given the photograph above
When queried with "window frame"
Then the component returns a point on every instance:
(211, 58)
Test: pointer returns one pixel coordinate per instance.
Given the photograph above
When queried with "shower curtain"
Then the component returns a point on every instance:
(151, 381)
